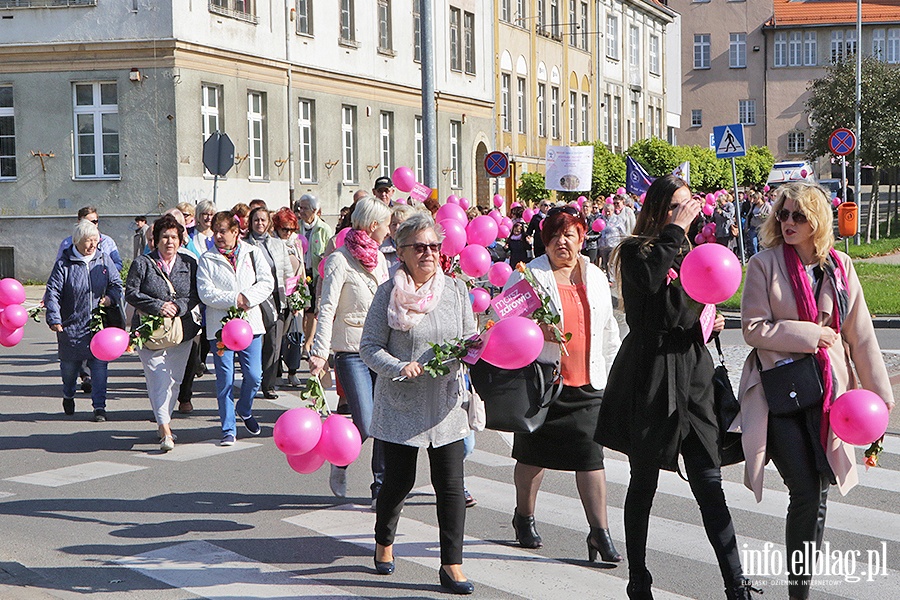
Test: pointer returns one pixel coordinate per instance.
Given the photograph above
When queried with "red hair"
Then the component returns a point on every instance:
(557, 223)
(285, 218)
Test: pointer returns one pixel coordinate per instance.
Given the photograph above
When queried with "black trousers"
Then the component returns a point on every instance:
(191, 367)
(790, 447)
(447, 478)
(705, 480)
(271, 354)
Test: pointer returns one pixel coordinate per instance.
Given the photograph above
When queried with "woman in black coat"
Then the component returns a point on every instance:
(659, 398)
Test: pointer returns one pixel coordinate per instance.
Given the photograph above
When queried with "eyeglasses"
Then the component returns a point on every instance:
(798, 217)
(420, 248)
(569, 210)
(94, 221)
(187, 215)
(288, 229)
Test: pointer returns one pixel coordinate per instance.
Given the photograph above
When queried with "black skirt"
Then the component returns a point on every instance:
(565, 442)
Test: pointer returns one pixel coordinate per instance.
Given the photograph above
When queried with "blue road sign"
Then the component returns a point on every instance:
(729, 141)
(496, 164)
(842, 141)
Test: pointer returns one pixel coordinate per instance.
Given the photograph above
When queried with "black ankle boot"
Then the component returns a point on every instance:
(526, 534)
(639, 583)
(740, 590)
(599, 541)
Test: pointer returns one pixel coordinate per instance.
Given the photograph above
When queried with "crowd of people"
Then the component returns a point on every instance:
(376, 292)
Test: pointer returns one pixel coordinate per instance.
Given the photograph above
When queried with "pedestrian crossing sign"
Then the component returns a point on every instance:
(728, 141)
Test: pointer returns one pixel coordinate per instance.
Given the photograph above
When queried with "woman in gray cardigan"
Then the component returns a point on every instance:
(412, 410)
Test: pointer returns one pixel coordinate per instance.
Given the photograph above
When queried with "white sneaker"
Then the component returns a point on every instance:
(338, 481)
(167, 444)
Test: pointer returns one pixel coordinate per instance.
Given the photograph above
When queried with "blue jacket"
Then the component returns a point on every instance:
(73, 290)
(107, 245)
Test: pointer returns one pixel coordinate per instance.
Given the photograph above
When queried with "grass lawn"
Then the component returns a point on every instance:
(886, 245)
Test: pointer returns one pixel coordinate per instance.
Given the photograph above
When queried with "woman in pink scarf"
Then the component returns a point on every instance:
(802, 297)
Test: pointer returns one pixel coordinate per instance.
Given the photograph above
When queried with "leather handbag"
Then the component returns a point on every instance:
(792, 386)
(516, 400)
(171, 332)
(471, 401)
(726, 408)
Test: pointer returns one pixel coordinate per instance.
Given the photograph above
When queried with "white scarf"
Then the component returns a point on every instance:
(408, 305)
(86, 259)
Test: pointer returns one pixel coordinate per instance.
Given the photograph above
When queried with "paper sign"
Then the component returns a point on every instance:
(518, 300)
(475, 351)
(290, 284)
(420, 192)
(707, 320)
(569, 168)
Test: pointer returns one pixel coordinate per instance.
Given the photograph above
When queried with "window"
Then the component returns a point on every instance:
(304, 17)
(573, 20)
(697, 117)
(584, 118)
(606, 101)
(541, 109)
(649, 121)
(417, 32)
(878, 44)
(348, 21)
(612, 37)
(348, 142)
(387, 143)
(837, 46)
(455, 58)
(521, 13)
(244, 10)
(654, 54)
(657, 127)
(633, 125)
(584, 26)
(634, 46)
(850, 42)
(420, 150)
(780, 58)
(256, 106)
(541, 21)
(701, 51)
(7, 134)
(505, 108)
(454, 154)
(795, 49)
(554, 18)
(554, 112)
(505, 10)
(573, 117)
(893, 45)
(737, 51)
(616, 117)
(747, 112)
(307, 157)
(469, 36)
(796, 142)
(384, 26)
(210, 103)
(520, 98)
(810, 49)
(96, 112)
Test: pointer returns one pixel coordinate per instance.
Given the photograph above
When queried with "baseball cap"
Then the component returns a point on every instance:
(383, 182)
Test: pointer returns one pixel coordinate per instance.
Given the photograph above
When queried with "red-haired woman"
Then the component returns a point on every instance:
(579, 293)
(286, 226)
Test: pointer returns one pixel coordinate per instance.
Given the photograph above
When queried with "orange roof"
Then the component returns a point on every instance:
(826, 12)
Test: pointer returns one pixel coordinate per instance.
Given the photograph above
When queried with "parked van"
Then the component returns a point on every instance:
(784, 172)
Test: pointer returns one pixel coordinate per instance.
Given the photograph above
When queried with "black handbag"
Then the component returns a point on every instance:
(727, 408)
(516, 400)
(793, 386)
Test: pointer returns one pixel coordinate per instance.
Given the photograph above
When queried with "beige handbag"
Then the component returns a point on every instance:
(170, 333)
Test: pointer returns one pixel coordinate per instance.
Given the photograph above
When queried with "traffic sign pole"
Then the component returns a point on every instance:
(737, 213)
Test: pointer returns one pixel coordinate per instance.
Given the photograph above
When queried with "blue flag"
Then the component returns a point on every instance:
(637, 180)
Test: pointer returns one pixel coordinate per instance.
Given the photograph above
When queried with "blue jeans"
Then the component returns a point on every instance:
(250, 360)
(69, 370)
(358, 382)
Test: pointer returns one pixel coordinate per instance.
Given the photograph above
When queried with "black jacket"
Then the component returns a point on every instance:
(146, 290)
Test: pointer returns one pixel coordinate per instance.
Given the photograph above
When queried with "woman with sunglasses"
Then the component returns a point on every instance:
(659, 399)
(418, 306)
(579, 294)
(286, 226)
(802, 297)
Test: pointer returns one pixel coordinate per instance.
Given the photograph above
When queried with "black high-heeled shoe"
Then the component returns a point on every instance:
(456, 587)
(526, 534)
(639, 583)
(384, 568)
(598, 540)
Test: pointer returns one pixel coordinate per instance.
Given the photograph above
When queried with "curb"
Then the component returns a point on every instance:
(733, 321)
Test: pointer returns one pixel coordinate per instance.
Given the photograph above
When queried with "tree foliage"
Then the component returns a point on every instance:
(532, 187)
(753, 169)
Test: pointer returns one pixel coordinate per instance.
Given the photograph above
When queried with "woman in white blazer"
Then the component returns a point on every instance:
(234, 274)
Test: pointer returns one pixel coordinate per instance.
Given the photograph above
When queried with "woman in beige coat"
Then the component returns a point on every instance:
(799, 241)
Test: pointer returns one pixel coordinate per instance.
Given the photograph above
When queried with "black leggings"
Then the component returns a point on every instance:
(446, 477)
(705, 480)
(790, 447)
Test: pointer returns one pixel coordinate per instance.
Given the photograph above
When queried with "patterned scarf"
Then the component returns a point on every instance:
(363, 248)
(408, 305)
(231, 255)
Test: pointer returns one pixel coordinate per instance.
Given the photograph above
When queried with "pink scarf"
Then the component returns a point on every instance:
(363, 248)
(408, 305)
(808, 310)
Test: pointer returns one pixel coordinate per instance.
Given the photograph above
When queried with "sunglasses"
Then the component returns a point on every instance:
(798, 217)
(420, 248)
(94, 221)
(288, 229)
(569, 210)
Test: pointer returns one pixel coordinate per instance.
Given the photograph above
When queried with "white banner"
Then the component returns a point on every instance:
(569, 168)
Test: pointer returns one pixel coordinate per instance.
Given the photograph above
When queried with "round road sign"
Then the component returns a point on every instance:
(842, 141)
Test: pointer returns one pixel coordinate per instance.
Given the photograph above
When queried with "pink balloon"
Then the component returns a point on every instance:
(503, 232)
(506, 221)
(598, 225)
(859, 417)
(475, 260)
(836, 202)
(711, 238)
(766, 188)
(710, 199)
(297, 431)
(496, 216)
(11, 292)
(480, 298)
(709, 228)
(340, 442)
(498, 200)
(13, 316)
(452, 211)
(708, 209)
(307, 463)
(803, 172)
(452, 199)
(527, 215)
(304, 243)
(237, 334)
(454, 237)
(403, 179)
(109, 343)
(11, 337)
(699, 239)
(464, 203)
(581, 200)
(620, 191)
(341, 237)
(513, 343)
(609, 200)
(321, 268)
(499, 273)
(643, 196)
(481, 231)
(710, 273)
(399, 200)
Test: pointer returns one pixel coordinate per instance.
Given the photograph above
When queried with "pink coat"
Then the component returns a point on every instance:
(771, 326)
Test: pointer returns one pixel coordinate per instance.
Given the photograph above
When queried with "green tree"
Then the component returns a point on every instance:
(532, 187)
(656, 155)
(753, 169)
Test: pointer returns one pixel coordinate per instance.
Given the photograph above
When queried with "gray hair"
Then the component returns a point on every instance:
(85, 229)
(404, 211)
(369, 210)
(205, 206)
(312, 199)
(419, 221)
